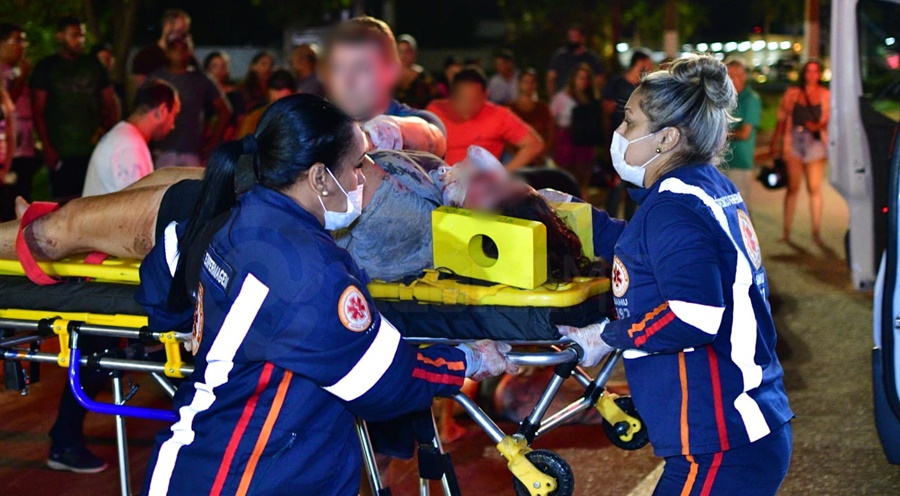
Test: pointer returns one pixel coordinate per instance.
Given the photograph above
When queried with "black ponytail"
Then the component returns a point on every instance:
(294, 133)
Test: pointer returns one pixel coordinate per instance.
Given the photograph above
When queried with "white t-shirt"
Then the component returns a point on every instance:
(120, 158)
(561, 107)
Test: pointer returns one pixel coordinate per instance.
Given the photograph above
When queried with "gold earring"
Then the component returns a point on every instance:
(324, 192)
(658, 150)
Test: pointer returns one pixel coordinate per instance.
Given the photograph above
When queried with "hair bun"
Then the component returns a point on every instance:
(711, 75)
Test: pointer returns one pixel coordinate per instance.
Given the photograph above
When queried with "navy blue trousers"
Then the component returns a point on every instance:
(756, 469)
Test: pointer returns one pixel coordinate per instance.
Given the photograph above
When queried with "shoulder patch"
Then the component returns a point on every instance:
(751, 242)
(197, 329)
(620, 279)
(353, 310)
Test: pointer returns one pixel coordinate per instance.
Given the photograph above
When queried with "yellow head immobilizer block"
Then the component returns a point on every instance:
(459, 240)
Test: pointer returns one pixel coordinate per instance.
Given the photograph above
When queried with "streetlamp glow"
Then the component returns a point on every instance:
(731, 46)
(622, 47)
(702, 47)
(785, 45)
(890, 41)
(758, 45)
(744, 46)
(773, 45)
(716, 47)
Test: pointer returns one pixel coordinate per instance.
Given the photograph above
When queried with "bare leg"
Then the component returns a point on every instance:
(167, 177)
(121, 224)
(815, 171)
(794, 178)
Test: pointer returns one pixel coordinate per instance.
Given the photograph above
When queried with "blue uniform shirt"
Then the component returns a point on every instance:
(691, 296)
(289, 347)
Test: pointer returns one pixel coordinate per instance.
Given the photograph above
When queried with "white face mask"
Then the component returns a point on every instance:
(340, 220)
(634, 174)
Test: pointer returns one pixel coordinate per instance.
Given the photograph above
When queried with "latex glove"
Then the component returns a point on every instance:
(590, 340)
(384, 133)
(487, 358)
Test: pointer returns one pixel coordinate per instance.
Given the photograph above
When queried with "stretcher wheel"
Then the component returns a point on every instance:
(553, 465)
(639, 439)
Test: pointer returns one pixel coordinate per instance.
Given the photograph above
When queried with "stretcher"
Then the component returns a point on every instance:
(94, 301)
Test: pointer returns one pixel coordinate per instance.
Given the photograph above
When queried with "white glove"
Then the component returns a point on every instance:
(590, 340)
(487, 358)
(384, 133)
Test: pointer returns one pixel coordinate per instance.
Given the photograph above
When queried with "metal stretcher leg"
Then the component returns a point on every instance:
(121, 437)
(362, 431)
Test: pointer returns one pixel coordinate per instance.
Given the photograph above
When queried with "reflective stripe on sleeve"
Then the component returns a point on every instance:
(371, 367)
(170, 242)
(703, 317)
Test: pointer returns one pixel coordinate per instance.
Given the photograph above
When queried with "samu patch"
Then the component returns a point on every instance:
(751, 242)
(620, 279)
(353, 310)
(197, 329)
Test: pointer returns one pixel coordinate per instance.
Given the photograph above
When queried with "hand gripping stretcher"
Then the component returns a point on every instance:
(454, 304)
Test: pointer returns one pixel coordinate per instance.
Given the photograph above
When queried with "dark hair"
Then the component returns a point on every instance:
(101, 47)
(67, 21)
(207, 61)
(637, 57)
(530, 71)
(589, 95)
(170, 15)
(360, 31)
(293, 134)
(282, 80)
(7, 29)
(154, 93)
(577, 26)
(451, 60)
(505, 55)
(252, 85)
(470, 75)
(565, 255)
(801, 81)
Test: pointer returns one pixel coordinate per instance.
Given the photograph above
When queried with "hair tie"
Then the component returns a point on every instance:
(248, 145)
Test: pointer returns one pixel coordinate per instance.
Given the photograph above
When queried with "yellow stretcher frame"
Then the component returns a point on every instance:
(427, 289)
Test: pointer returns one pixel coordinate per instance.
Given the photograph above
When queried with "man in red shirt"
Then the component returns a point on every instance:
(472, 120)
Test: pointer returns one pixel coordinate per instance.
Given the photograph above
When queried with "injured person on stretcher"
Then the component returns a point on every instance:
(391, 240)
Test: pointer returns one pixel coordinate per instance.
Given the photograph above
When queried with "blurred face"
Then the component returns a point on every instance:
(645, 66)
(813, 74)
(12, 50)
(528, 85)
(360, 79)
(738, 76)
(582, 81)
(165, 119)
(300, 61)
(106, 58)
(575, 38)
(407, 54)
(503, 66)
(179, 55)
(487, 190)
(177, 26)
(72, 39)
(218, 69)
(263, 67)
(468, 99)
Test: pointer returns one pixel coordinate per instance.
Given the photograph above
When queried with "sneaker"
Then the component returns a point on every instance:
(77, 459)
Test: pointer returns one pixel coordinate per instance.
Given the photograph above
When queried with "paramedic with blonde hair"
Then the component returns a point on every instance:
(691, 294)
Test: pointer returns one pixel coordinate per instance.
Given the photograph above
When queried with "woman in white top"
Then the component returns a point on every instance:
(578, 117)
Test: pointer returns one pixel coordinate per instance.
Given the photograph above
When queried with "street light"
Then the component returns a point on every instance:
(785, 45)
(890, 41)
(773, 45)
(622, 47)
(702, 47)
(716, 47)
(731, 46)
(758, 45)
(743, 46)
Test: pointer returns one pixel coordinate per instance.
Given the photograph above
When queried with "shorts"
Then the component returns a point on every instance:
(756, 469)
(806, 146)
(177, 204)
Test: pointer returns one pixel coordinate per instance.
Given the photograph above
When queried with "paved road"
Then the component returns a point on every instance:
(825, 344)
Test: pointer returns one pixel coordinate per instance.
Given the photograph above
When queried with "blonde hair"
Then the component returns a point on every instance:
(694, 95)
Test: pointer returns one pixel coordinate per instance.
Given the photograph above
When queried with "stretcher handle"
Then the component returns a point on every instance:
(107, 408)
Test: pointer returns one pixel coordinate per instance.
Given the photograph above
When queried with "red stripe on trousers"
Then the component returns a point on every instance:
(438, 378)
(711, 475)
(659, 324)
(717, 397)
(239, 429)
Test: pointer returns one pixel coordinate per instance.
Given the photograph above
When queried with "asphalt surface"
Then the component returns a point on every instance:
(825, 344)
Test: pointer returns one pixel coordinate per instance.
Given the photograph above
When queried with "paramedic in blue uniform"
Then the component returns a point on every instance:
(288, 344)
(691, 294)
